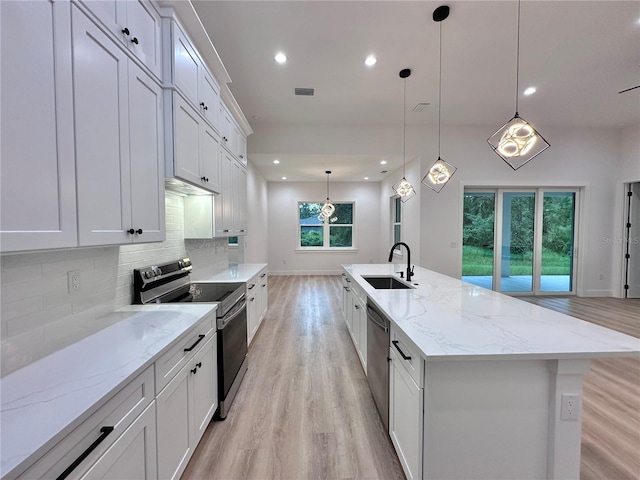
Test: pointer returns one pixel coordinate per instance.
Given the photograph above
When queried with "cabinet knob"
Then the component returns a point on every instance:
(131, 231)
(135, 40)
(194, 370)
(139, 231)
(224, 138)
(125, 30)
(240, 156)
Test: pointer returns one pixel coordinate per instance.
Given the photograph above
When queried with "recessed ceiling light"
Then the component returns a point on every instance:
(280, 57)
(255, 117)
(276, 161)
(366, 178)
(370, 61)
(383, 162)
(284, 178)
(530, 91)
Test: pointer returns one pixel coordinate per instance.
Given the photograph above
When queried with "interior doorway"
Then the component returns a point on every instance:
(632, 241)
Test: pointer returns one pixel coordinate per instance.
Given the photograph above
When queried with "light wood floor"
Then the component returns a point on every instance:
(304, 410)
(611, 391)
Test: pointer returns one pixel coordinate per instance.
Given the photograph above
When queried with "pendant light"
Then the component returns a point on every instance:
(403, 188)
(440, 172)
(328, 208)
(517, 142)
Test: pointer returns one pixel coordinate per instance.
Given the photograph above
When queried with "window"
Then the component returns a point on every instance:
(336, 233)
(233, 241)
(396, 220)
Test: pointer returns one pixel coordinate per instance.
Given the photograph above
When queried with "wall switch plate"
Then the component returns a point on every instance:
(570, 406)
(73, 280)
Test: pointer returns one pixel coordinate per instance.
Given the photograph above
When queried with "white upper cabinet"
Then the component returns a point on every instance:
(210, 99)
(186, 66)
(37, 169)
(118, 115)
(136, 24)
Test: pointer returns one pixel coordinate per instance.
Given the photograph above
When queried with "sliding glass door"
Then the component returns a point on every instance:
(534, 232)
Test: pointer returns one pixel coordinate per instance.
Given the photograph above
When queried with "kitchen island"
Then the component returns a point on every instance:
(497, 389)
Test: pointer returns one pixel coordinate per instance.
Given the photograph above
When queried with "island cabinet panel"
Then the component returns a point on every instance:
(37, 172)
(405, 415)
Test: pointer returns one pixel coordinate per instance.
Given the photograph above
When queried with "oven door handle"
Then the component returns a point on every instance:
(233, 313)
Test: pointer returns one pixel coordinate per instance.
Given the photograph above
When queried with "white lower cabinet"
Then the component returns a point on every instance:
(184, 408)
(133, 454)
(406, 400)
(257, 302)
(354, 308)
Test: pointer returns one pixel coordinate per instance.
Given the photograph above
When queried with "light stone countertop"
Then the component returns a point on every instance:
(449, 319)
(237, 272)
(43, 402)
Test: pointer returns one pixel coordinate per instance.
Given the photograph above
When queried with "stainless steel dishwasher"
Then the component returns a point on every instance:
(378, 360)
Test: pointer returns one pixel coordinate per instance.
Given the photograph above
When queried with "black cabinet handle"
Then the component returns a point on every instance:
(263, 275)
(104, 433)
(347, 289)
(131, 231)
(199, 364)
(252, 299)
(240, 156)
(252, 285)
(224, 138)
(204, 107)
(139, 231)
(395, 344)
(125, 30)
(348, 280)
(135, 40)
(226, 230)
(194, 370)
(204, 179)
(357, 307)
(200, 337)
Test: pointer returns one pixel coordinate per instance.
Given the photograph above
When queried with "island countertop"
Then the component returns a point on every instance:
(449, 319)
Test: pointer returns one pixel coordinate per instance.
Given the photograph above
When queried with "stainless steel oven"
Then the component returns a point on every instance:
(170, 283)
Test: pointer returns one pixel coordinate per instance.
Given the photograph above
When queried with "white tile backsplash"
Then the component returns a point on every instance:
(38, 316)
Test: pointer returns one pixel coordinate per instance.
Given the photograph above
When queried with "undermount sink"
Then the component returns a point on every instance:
(388, 283)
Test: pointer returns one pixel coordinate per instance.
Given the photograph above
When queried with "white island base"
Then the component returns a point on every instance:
(502, 419)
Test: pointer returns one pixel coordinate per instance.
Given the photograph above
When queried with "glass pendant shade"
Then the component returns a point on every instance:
(404, 189)
(517, 142)
(438, 175)
(328, 209)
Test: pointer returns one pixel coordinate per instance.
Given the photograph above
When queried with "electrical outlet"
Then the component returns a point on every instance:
(570, 407)
(73, 280)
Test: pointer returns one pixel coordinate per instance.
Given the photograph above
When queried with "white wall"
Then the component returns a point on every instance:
(37, 314)
(283, 198)
(256, 245)
(577, 158)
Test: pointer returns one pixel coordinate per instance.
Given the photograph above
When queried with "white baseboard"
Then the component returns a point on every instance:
(304, 272)
(595, 293)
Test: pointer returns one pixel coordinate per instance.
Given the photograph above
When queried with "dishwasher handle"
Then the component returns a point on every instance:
(377, 319)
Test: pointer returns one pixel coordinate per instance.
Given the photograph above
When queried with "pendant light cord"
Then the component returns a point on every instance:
(404, 130)
(440, 91)
(518, 58)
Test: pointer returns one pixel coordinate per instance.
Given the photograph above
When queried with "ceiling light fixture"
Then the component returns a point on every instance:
(370, 61)
(440, 172)
(284, 178)
(530, 91)
(517, 142)
(328, 208)
(403, 188)
(276, 161)
(383, 162)
(280, 57)
(366, 178)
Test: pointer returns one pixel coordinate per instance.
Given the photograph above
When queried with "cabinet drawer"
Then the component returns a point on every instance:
(409, 355)
(119, 412)
(169, 364)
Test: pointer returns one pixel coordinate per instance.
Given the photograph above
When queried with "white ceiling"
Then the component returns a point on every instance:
(578, 54)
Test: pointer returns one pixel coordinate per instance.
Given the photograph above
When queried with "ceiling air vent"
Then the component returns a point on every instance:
(383, 171)
(420, 107)
(307, 92)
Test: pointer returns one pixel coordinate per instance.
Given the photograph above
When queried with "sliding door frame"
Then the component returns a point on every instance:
(537, 232)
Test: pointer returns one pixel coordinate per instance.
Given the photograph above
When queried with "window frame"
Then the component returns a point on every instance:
(326, 229)
(396, 202)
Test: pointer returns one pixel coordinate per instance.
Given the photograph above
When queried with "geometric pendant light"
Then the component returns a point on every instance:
(328, 208)
(440, 172)
(403, 188)
(517, 141)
